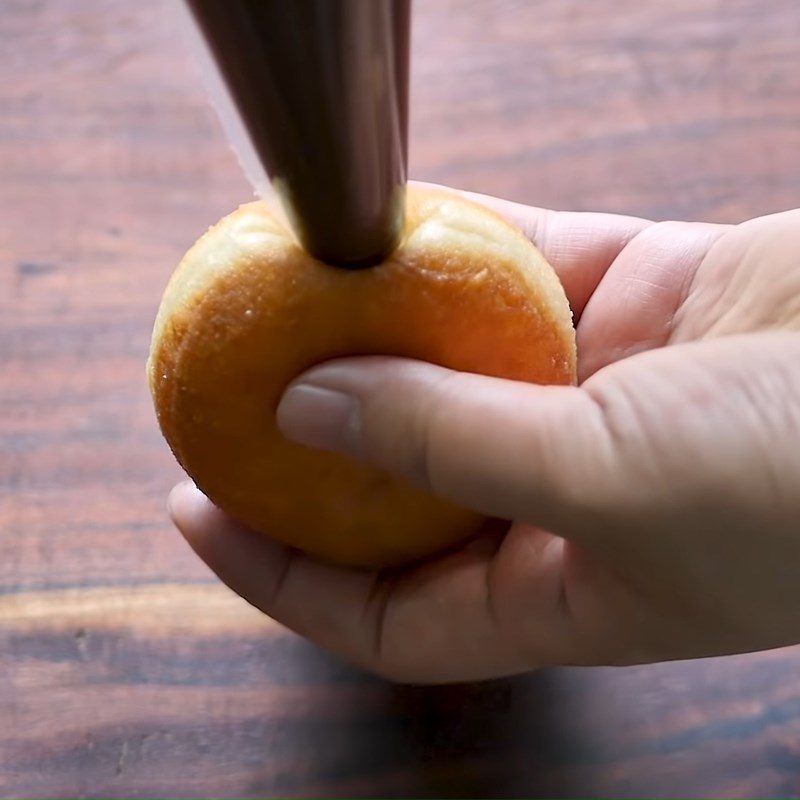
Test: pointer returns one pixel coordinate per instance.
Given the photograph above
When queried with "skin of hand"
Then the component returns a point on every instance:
(656, 505)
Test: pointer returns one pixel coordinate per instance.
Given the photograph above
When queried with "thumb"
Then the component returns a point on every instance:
(540, 454)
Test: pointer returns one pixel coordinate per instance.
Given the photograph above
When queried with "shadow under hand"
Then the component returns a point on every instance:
(496, 739)
(359, 736)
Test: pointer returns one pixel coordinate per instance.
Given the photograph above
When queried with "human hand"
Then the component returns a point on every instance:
(656, 506)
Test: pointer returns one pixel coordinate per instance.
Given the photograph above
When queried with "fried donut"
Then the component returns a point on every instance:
(248, 310)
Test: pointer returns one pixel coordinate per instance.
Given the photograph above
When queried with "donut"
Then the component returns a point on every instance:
(248, 310)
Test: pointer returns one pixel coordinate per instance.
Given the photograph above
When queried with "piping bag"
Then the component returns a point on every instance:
(313, 96)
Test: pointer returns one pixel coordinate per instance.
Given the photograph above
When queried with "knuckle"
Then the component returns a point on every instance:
(425, 432)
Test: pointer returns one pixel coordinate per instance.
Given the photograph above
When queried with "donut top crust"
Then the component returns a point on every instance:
(443, 230)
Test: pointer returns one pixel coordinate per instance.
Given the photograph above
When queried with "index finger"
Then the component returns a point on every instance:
(452, 619)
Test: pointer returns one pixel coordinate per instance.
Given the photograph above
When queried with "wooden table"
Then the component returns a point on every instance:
(125, 668)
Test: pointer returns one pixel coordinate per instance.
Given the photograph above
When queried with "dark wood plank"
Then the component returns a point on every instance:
(125, 670)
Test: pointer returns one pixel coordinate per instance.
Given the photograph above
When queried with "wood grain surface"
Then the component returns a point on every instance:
(125, 669)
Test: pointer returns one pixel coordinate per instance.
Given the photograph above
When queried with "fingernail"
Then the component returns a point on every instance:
(321, 418)
(178, 494)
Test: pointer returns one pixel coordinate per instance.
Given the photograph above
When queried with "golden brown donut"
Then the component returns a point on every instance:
(248, 310)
